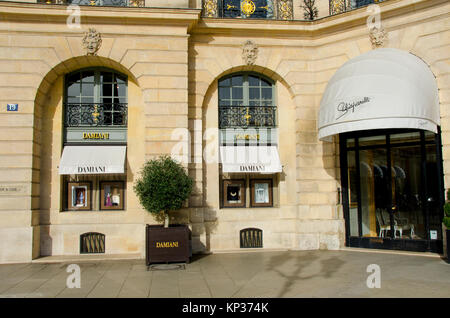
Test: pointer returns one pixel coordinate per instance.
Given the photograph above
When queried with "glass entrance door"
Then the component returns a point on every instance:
(392, 190)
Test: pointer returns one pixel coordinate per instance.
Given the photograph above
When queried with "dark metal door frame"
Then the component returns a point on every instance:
(390, 243)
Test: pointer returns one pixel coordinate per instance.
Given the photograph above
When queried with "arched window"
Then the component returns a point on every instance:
(96, 97)
(248, 140)
(95, 140)
(246, 100)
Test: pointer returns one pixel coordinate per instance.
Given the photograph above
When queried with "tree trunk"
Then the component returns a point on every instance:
(166, 219)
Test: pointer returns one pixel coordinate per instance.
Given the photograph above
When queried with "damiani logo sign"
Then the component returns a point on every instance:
(166, 244)
(92, 169)
(254, 168)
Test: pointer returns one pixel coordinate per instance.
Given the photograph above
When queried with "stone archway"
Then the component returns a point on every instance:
(209, 173)
(48, 136)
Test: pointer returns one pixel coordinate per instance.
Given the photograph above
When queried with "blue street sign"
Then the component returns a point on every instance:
(12, 107)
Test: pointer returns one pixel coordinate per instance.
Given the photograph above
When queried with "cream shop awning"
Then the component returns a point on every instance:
(92, 160)
(383, 88)
(250, 159)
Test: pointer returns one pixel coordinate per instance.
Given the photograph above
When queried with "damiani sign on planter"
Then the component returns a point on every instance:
(166, 244)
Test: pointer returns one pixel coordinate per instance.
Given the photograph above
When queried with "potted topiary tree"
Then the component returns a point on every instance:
(164, 186)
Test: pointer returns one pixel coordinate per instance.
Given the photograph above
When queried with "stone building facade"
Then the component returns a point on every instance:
(174, 57)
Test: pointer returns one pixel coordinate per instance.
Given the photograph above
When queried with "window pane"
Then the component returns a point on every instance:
(352, 194)
(372, 140)
(407, 188)
(106, 90)
(237, 80)
(406, 137)
(121, 80)
(88, 77)
(87, 89)
(265, 83)
(351, 142)
(432, 197)
(106, 77)
(234, 193)
(253, 80)
(224, 93)
(254, 93)
(73, 89)
(119, 90)
(107, 100)
(261, 192)
(225, 82)
(266, 93)
(374, 190)
(429, 136)
(237, 93)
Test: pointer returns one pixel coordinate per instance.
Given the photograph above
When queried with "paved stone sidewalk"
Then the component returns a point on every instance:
(262, 274)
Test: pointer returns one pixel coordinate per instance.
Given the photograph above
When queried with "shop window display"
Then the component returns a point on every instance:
(261, 193)
(111, 196)
(79, 195)
(234, 193)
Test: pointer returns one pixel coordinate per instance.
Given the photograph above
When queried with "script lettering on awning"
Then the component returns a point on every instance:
(92, 169)
(344, 107)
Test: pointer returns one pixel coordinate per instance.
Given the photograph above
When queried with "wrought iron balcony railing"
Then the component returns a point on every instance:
(96, 115)
(247, 116)
(249, 9)
(111, 3)
(339, 6)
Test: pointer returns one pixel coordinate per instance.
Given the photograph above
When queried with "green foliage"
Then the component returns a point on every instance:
(163, 186)
(446, 222)
(447, 209)
(446, 219)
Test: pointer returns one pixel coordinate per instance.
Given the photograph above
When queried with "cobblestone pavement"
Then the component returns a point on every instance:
(263, 274)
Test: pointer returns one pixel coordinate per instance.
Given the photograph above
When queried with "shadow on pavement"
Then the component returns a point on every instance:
(328, 267)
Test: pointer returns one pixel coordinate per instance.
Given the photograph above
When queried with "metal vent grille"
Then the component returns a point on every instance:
(92, 243)
(251, 238)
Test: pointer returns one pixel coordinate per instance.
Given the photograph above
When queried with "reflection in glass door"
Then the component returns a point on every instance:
(374, 188)
(393, 189)
(409, 221)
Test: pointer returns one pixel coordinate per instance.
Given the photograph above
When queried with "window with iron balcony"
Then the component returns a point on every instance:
(96, 98)
(249, 9)
(246, 100)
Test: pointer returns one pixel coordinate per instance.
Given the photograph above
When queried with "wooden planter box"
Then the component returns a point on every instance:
(164, 245)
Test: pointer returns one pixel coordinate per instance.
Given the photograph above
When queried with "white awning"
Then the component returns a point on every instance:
(383, 88)
(251, 159)
(92, 160)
